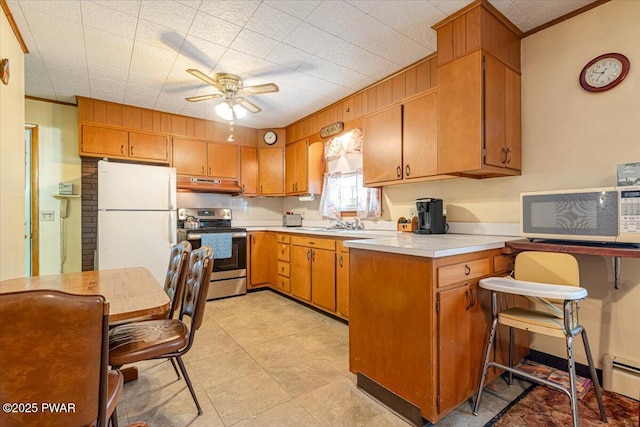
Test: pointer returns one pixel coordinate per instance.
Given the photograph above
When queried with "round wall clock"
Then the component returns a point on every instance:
(604, 72)
(270, 137)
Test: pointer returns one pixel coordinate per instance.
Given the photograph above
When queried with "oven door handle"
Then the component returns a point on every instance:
(235, 235)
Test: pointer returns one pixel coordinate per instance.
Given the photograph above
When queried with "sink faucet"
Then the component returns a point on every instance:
(340, 224)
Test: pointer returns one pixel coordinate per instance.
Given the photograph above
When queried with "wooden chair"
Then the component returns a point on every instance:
(551, 281)
(54, 349)
(167, 338)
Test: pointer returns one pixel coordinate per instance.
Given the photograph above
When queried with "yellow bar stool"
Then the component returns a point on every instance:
(550, 280)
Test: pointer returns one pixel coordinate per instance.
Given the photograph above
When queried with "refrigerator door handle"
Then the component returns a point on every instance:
(173, 229)
(172, 192)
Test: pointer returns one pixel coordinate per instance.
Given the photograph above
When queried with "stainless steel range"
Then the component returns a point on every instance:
(229, 275)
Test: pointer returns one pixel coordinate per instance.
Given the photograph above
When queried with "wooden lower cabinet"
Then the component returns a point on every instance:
(420, 340)
(300, 272)
(262, 264)
(323, 279)
(342, 284)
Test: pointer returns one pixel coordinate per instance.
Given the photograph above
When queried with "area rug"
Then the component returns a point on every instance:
(541, 406)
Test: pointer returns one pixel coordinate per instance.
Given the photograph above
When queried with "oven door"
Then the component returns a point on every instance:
(238, 259)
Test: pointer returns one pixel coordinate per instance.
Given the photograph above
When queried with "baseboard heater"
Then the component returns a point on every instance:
(621, 376)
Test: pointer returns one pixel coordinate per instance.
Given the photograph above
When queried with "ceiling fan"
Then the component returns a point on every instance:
(230, 87)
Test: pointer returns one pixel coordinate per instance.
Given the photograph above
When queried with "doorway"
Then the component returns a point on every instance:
(31, 205)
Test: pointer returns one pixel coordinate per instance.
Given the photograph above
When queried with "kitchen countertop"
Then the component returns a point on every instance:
(425, 245)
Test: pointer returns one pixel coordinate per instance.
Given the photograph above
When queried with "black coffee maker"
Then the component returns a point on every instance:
(430, 216)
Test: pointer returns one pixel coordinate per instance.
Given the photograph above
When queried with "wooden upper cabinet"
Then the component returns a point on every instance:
(190, 157)
(304, 167)
(382, 151)
(419, 136)
(104, 142)
(222, 160)
(271, 171)
(249, 171)
(149, 147)
(477, 134)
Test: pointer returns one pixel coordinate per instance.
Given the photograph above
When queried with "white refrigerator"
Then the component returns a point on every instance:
(136, 216)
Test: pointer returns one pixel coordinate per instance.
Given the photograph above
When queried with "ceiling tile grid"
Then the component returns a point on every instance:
(317, 51)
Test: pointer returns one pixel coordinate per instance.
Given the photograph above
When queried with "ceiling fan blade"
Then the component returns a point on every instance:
(258, 89)
(248, 105)
(203, 97)
(202, 76)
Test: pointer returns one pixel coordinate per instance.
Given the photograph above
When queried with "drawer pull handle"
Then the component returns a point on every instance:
(399, 171)
(407, 170)
(467, 270)
(468, 298)
(506, 155)
(309, 255)
(122, 149)
(340, 261)
(203, 170)
(132, 150)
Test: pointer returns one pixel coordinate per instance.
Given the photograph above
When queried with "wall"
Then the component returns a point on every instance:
(58, 162)
(571, 139)
(12, 160)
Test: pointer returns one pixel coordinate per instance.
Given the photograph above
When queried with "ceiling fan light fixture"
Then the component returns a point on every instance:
(224, 111)
(239, 111)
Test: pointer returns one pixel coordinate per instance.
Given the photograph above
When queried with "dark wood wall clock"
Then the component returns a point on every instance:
(604, 72)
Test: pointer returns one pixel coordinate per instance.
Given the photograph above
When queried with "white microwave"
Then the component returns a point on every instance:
(609, 214)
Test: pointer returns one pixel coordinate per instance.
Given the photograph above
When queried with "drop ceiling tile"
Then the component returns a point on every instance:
(96, 83)
(540, 12)
(300, 9)
(111, 51)
(412, 19)
(288, 56)
(169, 107)
(214, 29)
(334, 17)
(37, 74)
(162, 37)
(142, 92)
(145, 80)
(272, 22)
(99, 71)
(309, 83)
(151, 61)
(18, 16)
(450, 6)
(254, 44)
(44, 92)
(55, 35)
(68, 10)
(168, 13)
(62, 64)
(108, 20)
(331, 72)
(237, 12)
(362, 82)
(372, 36)
(203, 53)
(130, 7)
(238, 63)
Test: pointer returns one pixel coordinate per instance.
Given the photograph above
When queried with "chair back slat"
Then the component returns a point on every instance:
(196, 286)
(547, 267)
(176, 274)
(53, 349)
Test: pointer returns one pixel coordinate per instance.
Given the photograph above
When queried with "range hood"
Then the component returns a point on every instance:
(208, 185)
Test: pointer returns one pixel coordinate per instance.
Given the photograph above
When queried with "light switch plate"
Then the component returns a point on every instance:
(47, 215)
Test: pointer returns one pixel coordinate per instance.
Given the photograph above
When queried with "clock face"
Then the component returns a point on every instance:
(270, 137)
(604, 72)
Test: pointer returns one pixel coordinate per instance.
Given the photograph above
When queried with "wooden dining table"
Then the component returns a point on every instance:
(132, 292)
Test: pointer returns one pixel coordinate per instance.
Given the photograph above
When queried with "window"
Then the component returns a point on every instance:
(348, 192)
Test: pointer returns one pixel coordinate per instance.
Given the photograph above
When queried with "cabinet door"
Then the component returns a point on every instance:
(495, 112)
(300, 272)
(513, 132)
(342, 285)
(453, 346)
(263, 259)
(249, 171)
(290, 168)
(302, 163)
(190, 157)
(419, 137)
(104, 141)
(323, 279)
(222, 160)
(479, 326)
(149, 146)
(271, 171)
(382, 156)
(460, 114)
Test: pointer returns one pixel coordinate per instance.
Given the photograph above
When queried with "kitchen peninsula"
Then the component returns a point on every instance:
(418, 320)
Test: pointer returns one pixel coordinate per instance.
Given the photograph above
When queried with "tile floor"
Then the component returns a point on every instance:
(265, 360)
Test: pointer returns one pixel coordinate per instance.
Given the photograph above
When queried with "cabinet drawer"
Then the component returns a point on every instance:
(314, 242)
(283, 284)
(283, 252)
(283, 268)
(463, 271)
(502, 263)
(283, 238)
